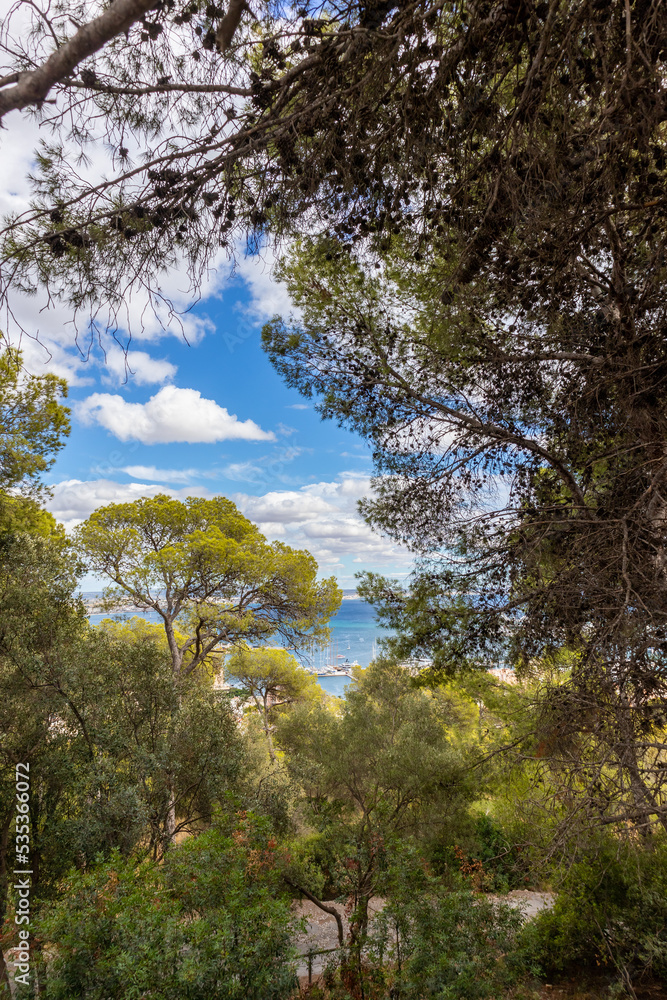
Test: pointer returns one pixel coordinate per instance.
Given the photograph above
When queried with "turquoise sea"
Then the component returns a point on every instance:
(355, 636)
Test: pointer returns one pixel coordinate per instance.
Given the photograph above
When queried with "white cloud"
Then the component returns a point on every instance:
(244, 472)
(74, 500)
(267, 469)
(298, 406)
(148, 317)
(160, 475)
(285, 430)
(171, 415)
(269, 297)
(432, 433)
(322, 518)
(68, 350)
(137, 366)
(284, 507)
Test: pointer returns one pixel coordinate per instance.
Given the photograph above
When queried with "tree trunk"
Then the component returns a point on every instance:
(170, 825)
(176, 666)
(644, 799)
(353, 974)
(323, 906)
(174, 651)
(267, 730)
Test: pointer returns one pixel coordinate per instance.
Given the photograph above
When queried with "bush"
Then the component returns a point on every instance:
(611, 911)
(208, 924)
(501, 858)
(484, 855)
(448, 945)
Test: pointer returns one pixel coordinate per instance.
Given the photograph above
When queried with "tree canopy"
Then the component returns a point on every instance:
(388, 763)
(273, 679)
(523, 460)
(33, 424)
(208, 573)
(523, 140)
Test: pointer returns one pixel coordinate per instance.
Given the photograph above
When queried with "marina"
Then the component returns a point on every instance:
(355, 639)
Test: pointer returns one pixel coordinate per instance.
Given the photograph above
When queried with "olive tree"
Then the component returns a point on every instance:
(381, 766)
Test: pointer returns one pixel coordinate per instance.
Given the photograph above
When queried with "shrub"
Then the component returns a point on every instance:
(208, 924)
(485, 855)
(500, 857)
(448, 945)
(611, 911)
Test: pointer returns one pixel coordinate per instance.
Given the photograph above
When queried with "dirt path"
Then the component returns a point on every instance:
(528, 901)
(321, 931)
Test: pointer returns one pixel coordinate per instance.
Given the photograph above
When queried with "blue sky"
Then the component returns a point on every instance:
(212, 417)
(204, 417)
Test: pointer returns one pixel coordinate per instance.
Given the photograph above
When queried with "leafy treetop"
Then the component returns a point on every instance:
(274, 679)
(208, 573)
(33, 423)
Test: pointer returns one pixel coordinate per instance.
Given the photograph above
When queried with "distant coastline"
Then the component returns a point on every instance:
(94, 603)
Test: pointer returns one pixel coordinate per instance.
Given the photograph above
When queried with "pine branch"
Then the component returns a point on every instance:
(34, 86)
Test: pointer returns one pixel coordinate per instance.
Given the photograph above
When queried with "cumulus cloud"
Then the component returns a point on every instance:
(284, 506)
(138, 367)
(321, 517)
(74, 500)
(268, 296)
(171, 415)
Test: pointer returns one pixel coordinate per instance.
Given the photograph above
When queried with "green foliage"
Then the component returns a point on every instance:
(111, 740)
(209, 574)
(376, 770)
(381, 757)
(23, 515)
(264, 784)
(456, 946)
(273, 680)
(427, 624)
(483, 852)
(33, 423)
(611, 911)
(522, 448)
(498, 855)
(272, 675)
(207, 924)
(444, 944)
